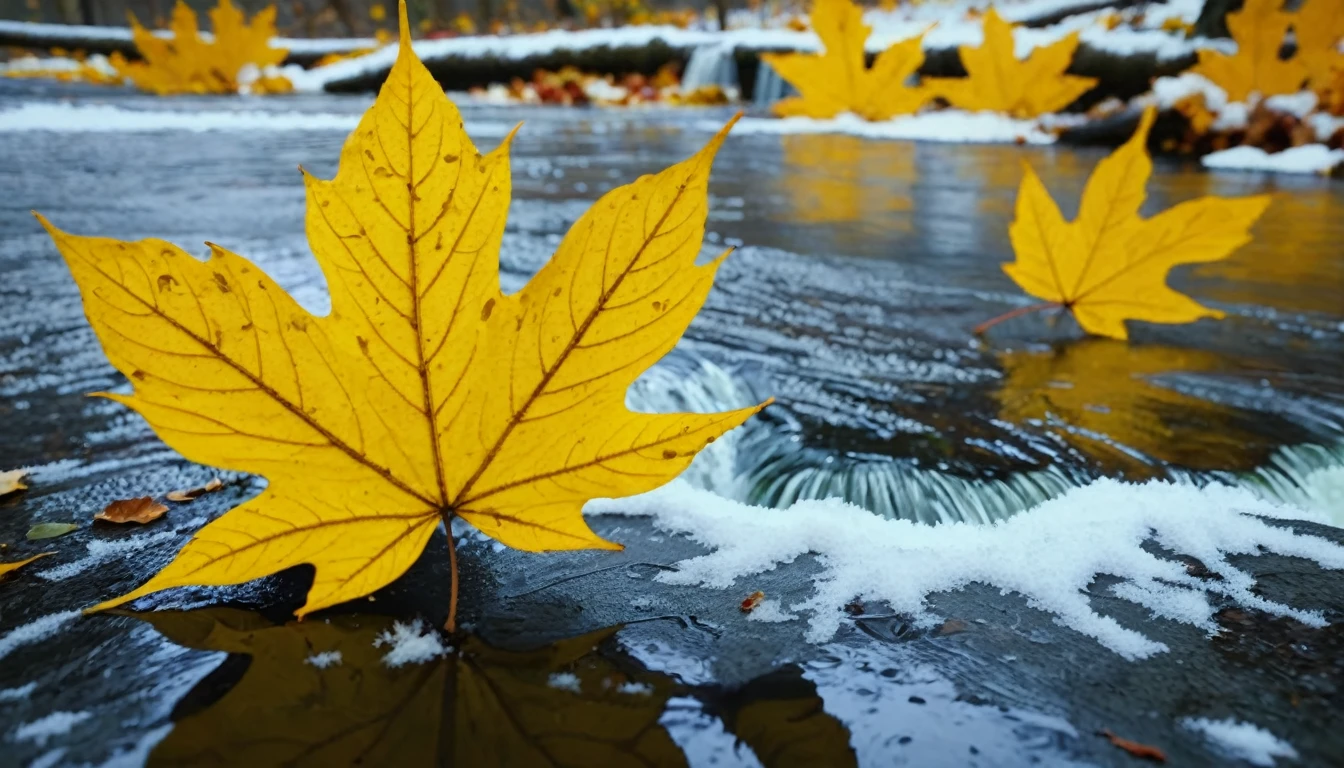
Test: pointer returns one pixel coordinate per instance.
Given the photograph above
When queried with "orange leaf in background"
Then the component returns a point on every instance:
(12, 481)
(1135, 748)
(837, 81)
(8, 568)
(997, 81)
(191, 494)
(1259, 29)
(142, 510)
(1109, 265)
(1319, 27)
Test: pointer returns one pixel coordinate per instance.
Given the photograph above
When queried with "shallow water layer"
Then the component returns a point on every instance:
(861, 267)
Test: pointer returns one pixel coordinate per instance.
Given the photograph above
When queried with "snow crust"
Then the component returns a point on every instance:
(325, 659)
(1308, 158)
(565, 681)
(1243, 741)
(771, 612)
(1048, 554)
(35, 631)
(410, 643)
(17, 694)
(55, 724)
(949, 125)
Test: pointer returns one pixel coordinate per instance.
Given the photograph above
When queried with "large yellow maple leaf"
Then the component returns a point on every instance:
(836, 80)
(426, 393)
(998, 81)
(1319, 27)
(1109, 265)
(1259, 29)
(186, 63)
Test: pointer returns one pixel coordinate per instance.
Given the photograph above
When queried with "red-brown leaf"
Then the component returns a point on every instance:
(142, 510)
(1135, 748)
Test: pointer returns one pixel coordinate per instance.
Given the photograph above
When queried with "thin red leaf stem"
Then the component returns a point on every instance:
(990, 323)
(451, 624)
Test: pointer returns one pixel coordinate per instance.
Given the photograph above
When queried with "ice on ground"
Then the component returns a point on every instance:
(55, 724)
(949, 125)
(635, 689)
(35, 631)
(771, 612)
(1308, 158)
(101, 551)
(410, 643)
(1242, 741)
(1049, 554)
(325, 659)
(565, 681)
(17, 694)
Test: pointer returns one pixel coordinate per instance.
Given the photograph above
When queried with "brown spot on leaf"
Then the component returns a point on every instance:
(166, 282)
(222, 283)
(487, 309)
(669, 454)
(142, 510)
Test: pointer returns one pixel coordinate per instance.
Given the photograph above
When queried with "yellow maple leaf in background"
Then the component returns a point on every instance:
(1259, 29)
(426, 393)
(1109, 265)
(1319, 27)
(186, 63)
(998, 81)
(837, 80)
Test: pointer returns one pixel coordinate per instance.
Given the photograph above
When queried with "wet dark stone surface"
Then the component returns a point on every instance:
(865, 266)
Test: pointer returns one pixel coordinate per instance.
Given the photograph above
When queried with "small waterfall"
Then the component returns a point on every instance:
(712, 65)
(760, 463)
(770, 87)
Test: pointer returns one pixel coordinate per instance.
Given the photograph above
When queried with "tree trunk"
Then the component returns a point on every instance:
(1212, 21)
(443, 12)
(721, 7)
(345, 14)
(487, 14)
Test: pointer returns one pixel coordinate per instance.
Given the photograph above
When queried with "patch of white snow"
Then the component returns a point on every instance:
(1242, 741)
(949, 125)
(565, 681)
(325, 659)
(35, 631)
(1308, 158)
(17, 694)
(410, 643)
(1050, 554)
(771, 612)
(1298, 105)
(55, 724)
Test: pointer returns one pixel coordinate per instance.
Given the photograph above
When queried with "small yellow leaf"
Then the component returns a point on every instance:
(1109, 265)
(12, 481)
(142, 510)
(8, 568)
(998, 81)
(427, 392)
(377, 12)
(1319, 27)
(185, 63)
(836, 80)
(1259, 29)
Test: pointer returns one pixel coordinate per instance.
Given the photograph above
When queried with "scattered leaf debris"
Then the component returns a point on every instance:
(1136, 749)
(141, 510)
(8, 568)
(753, 600)
(191, 494)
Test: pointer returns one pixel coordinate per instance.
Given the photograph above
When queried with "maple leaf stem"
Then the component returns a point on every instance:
(451, 624)
(985, 326)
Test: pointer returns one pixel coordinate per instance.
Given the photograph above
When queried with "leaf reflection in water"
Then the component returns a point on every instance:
(848, 180)
(1098, 396)
(566, 704)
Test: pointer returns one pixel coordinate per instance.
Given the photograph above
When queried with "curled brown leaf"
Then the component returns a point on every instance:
(191, 494)
(1135, 748)
(142, 510)
(753, 600)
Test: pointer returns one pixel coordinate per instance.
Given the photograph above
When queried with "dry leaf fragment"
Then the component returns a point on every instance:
(427, 392)
(8, 568)
(1136, 749)
(753, 600)
(1259, 29)
(12, 481)
(142, 510)
(836, 80)
(191, 494)
(49, 530)
(998, 81)
(1108, 265)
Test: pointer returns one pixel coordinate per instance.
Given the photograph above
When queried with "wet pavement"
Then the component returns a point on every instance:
(861, 269)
